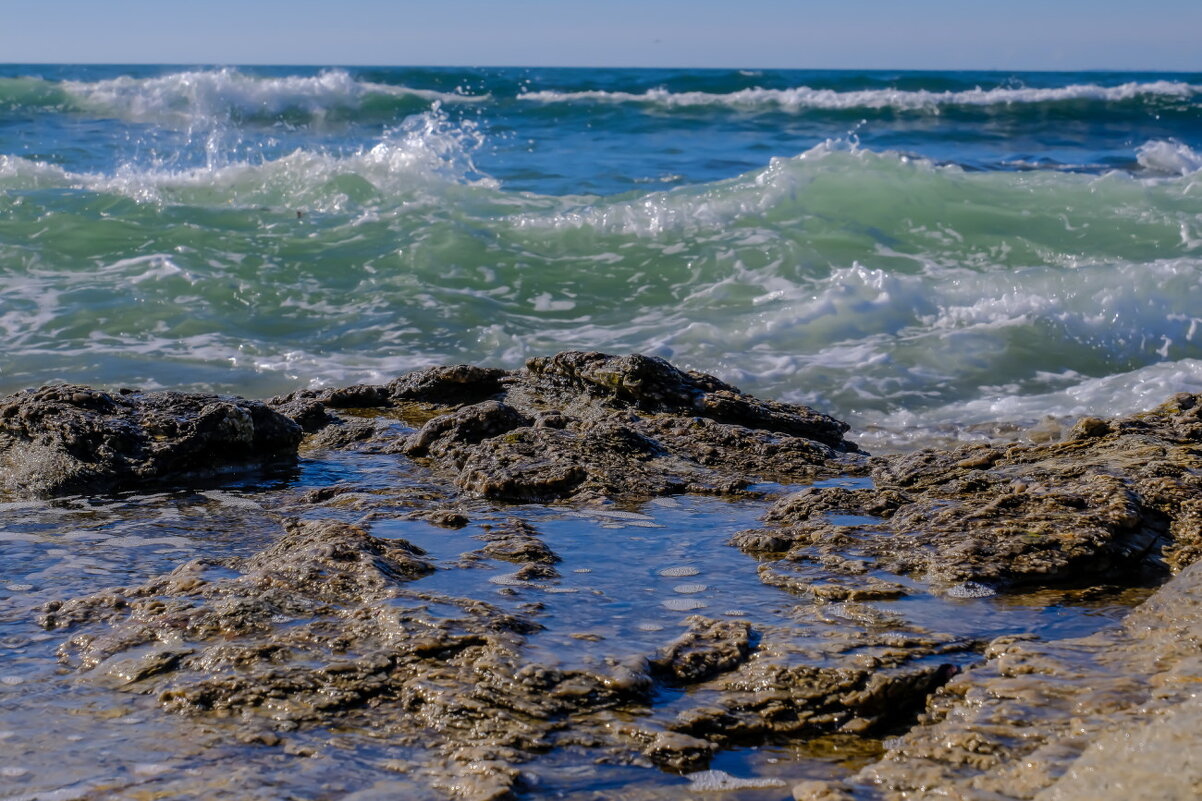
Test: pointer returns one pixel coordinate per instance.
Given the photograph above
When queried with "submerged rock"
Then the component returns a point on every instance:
(71, 439)
(1118, 498)
(329, 626)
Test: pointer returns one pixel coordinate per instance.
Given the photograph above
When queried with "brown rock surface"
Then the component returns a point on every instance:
(583, 424)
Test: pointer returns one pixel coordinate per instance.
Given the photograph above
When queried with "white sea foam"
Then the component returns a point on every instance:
(970, 589)
(679, 572)
(684, 604)
(990, 297)
(833, 174)
(716, 781)
(804, 97)
(1170, 158)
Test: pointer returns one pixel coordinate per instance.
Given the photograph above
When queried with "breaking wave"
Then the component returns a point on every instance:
(991, 295)
(426, 150)
(207, 96)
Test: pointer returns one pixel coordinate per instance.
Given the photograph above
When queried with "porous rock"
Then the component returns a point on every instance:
(1111, 715)
(585, 424)
(1116, 500)
(328, 626)
(69, 439)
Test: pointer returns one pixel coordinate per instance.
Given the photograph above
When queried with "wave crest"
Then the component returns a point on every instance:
(1168, 158)
(218, 95)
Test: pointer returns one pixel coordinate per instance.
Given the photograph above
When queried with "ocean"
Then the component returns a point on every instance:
(919, 253)
(930, 256)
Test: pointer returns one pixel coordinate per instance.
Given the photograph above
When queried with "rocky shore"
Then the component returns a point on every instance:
(340, 624)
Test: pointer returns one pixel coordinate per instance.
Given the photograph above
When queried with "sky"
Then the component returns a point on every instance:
(856, 34)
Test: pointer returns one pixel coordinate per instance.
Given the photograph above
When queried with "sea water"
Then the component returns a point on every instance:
(931, 256)
(922, 254)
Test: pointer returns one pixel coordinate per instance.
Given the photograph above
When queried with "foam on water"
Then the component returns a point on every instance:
(894, 291)
(716, 781)
(1170, 158)
(801, 98)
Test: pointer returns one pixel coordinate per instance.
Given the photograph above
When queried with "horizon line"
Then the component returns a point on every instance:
(334, 65)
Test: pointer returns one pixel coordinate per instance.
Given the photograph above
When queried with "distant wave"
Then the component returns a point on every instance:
(429, 153)
(804, 97)
(216, 95)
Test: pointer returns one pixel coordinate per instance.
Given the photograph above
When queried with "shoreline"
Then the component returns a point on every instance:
(362, 611)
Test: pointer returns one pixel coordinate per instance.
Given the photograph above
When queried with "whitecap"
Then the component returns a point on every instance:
(804, 97)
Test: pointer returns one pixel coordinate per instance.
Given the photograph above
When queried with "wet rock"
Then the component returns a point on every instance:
(773, 699)
(457, 384)
(448, 434)
(517, 541)
(679, 752)
(66, 439)
(820, 791)
(444, 518)
(652, 384)
(824, 587)
(358, 396)
(1116, 499)
(323, 625)
(709, 647)
(328, 626)
(345, 433)
(588, 425)
(1079, 718)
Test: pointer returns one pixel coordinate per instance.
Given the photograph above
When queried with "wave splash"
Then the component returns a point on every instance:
(426, 150)
(1168, 158)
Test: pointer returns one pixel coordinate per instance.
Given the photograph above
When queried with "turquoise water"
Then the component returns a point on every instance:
(918, 253)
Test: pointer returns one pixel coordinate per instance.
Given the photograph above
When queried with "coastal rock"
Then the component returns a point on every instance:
(709, 647)
(69, 439)
(516, 541)
(1116, 499)
(329, 626)
(650, 384)
(584, 424)
(457, 384)
(322, 626)
(1115, 714)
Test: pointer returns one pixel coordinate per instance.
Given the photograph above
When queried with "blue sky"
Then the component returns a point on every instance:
(915, 34)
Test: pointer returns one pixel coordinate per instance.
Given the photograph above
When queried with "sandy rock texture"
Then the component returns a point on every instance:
(333, 626)
(329, 626)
